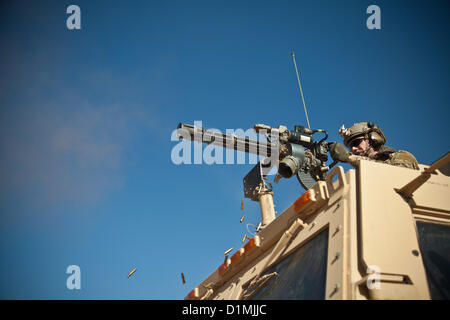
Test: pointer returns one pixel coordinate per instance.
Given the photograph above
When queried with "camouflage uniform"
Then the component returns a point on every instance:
(388, 155)
(377, 139)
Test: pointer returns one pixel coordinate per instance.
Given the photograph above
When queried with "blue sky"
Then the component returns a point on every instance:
(86, 176)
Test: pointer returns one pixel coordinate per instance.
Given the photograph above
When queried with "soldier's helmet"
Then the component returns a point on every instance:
(367, 130)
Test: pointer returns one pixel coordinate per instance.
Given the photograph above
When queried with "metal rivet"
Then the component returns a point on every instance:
(336, 289)
(415, 252)
(336, 257)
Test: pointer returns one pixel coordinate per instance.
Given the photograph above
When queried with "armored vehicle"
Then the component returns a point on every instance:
(376, 231)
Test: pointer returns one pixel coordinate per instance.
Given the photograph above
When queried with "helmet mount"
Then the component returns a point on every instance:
(368, 130)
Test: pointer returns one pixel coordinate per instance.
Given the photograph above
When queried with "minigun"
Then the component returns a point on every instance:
(294, 152)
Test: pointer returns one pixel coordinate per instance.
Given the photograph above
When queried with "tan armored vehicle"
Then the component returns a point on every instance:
(377, 231)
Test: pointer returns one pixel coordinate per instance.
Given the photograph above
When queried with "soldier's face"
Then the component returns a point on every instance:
(359, 146)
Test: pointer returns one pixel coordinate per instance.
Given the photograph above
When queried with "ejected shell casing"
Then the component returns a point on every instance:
(277, 178)
(259, 226)
(132, 271)
(182, 278)
(242, 218)
(242, 205)
(228, 251)
(244, 238)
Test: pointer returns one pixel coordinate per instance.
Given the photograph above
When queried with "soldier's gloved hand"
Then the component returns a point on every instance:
(338, 152)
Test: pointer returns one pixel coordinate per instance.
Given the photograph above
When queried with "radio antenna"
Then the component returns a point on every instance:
(300, 86)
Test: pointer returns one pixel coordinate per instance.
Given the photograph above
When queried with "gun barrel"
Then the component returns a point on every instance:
(229, 141)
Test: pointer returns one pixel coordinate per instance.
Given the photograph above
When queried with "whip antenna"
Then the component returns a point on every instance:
(301, 92)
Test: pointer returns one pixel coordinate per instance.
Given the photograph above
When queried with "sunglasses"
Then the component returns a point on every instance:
(356, 142)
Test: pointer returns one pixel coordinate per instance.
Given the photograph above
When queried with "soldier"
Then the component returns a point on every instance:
(366, 141)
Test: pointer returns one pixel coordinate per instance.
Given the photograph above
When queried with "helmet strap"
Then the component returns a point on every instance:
(368, 145)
